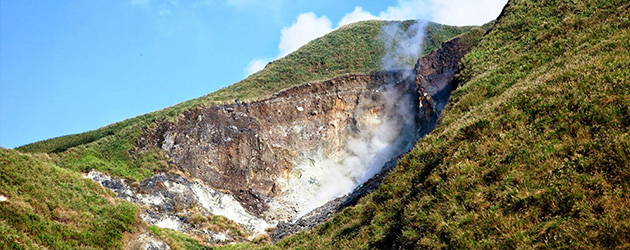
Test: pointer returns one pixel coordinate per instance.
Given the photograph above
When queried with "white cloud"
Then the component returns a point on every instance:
(452, 12)
(404, 10)
(357, 15)
(466, 12)
(306, 28)
(139, 2)
(256, 65)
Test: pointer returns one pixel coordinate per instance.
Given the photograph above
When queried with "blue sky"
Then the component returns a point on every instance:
(69, 66)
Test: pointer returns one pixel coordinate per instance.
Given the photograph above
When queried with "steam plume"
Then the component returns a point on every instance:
(367, 152)
(402, 46)
(370, 149)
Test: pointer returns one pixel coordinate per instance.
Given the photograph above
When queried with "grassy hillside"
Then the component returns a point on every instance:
(356, 48)
(51, 206)
(532, 152)
(55, 208)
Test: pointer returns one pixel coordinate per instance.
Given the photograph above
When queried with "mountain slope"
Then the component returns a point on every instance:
(355, 48)
(47, 206)
(51, 206)
(532, 152)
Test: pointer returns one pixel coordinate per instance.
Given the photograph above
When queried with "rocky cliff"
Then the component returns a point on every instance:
(296, 158)
(257, 151)
(433, 77)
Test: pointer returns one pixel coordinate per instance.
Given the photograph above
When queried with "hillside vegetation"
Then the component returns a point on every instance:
(50, 207)
(356, 48)
(533, 150)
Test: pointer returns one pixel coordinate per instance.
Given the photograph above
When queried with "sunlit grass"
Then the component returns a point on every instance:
(532, 152)
(51, 206)
(55, 208)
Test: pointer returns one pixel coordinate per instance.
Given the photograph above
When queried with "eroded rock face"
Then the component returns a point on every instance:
(261, 152)
(434, 77)
(172, 201)
(301, 156)
(435, 71)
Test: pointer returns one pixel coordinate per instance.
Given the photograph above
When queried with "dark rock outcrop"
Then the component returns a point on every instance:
(435, 71)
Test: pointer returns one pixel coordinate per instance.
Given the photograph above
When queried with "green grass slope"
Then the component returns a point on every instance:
(53, 208)
(532, 152)
(355, 48)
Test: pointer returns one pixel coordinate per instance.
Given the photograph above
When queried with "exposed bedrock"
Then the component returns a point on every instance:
(304, 154)
(434, 77)
(275, 155)
(172, 201)
(435, 71)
